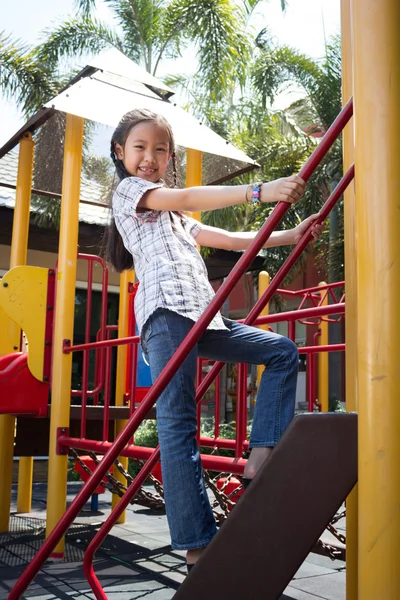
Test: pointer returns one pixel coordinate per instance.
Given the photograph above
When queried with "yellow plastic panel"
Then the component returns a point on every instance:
(23, 296)
(9, 339)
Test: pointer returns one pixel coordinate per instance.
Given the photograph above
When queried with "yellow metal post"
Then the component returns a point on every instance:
(323, 359)
(123, 316)
(376, 43)
(351, 296)
(263, 283)
(19, 242)
(19, 248)
(25, 477)
(64, 321)
(194, 172)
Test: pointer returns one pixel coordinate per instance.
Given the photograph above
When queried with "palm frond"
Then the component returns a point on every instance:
(321, 80)
(74, 38)
(85, 7)
(232, 218)
(218, 28)
(23, 78)
(140, 22)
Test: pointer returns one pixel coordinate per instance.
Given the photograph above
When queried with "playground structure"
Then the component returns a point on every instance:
(374, 371)
(135, 413)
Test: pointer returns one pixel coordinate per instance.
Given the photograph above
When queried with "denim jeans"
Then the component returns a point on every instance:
(189, 513)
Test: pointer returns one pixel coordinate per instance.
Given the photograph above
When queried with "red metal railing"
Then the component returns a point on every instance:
(315, 296)
(290, 317)
(117, 448)
(100, 355)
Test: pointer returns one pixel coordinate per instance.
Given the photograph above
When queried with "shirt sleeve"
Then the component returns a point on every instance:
(128, 195)
(192, 226)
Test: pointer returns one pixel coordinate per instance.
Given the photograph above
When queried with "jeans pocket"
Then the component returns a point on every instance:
(144, 338)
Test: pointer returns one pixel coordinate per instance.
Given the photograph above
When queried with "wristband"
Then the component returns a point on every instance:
(255, 197)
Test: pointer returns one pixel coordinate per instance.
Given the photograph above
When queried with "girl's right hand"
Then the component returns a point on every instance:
(286, 189)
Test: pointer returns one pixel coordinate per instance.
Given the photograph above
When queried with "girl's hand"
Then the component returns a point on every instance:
(287, 189)
(301, 229)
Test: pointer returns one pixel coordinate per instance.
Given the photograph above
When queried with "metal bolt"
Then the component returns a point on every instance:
(49, 308)
(45, 378)
(47, 343)
(5, 284)
(15, 347)
(63, 430)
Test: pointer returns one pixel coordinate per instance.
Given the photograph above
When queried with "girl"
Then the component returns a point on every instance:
(151, 232)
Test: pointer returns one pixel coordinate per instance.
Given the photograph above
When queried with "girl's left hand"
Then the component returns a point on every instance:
(301, 229)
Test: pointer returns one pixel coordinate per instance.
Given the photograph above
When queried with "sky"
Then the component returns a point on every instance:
(305, 26)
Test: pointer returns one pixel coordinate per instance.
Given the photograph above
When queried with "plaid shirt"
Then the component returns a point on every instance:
(171, 272)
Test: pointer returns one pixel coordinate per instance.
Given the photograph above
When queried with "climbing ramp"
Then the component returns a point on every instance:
(287, 507)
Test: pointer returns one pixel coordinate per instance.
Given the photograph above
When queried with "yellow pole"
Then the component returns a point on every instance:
(25, 477)
(194, 172)
(263, 283)
(323, 359)
(376, 40)
(64, 321)
(19, 242)
(351, 296)
(18, 257)
(123, 315)
(19, 248)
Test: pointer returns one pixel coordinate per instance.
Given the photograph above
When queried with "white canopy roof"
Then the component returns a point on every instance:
(113, 61)
(120, 86)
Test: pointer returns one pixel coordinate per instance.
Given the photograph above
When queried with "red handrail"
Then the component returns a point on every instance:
(198, 329)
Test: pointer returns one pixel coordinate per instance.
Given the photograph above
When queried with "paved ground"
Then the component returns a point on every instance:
(135, 562)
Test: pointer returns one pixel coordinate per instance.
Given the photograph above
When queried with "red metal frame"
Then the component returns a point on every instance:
(117, 448)
(316, 298)
(84, 393)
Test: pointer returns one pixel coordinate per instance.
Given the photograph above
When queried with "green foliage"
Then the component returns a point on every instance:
(98, 169)
(23, 78)
(277, 67)
(335, 405)
(72, 475)
(75, 37)
(151, 30)
(146, 434)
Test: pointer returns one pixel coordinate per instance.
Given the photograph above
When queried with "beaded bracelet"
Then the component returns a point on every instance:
(255, 197)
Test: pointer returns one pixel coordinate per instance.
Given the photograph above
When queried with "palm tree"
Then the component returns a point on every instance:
(23, 78)
(276, 67)
(149, 31)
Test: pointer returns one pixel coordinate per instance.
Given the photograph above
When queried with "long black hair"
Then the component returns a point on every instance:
(114, 250)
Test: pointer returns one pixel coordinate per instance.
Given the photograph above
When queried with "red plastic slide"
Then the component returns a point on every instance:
(20, 392)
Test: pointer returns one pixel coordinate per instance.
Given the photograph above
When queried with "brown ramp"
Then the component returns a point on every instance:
(277, 521)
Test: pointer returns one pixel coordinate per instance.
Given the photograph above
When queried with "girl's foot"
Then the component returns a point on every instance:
(192, 556)
(256, 459)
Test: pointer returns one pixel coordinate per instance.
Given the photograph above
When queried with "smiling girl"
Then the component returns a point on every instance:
(151, 232)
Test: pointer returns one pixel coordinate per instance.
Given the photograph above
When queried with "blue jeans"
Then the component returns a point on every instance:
(189, 513)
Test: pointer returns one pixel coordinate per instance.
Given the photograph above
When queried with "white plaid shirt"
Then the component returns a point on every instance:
(170, 270)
